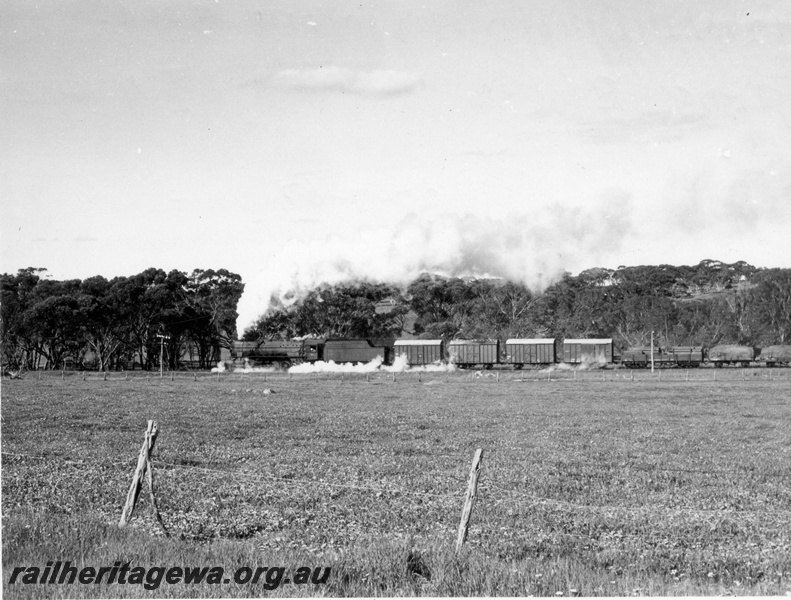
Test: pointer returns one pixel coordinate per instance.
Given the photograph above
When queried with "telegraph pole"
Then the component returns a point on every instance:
(652, 351)
(162, 337)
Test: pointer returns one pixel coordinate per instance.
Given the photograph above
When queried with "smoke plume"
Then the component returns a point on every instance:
(533, 250)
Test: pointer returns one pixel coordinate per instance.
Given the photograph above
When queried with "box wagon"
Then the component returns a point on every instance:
(521, 352)
(587, 351)
(468, 353)
(419, 352)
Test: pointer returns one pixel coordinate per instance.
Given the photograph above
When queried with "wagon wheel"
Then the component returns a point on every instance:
(285, 364)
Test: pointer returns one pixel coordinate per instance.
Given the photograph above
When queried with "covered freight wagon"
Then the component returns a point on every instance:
(468, 353)
(521, 352)
(597, 351)
(727, 354)
(354, 351)
(419, 352)
(776, 355)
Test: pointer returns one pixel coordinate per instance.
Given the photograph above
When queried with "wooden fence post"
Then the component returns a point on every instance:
(469, 500)
(143, 469)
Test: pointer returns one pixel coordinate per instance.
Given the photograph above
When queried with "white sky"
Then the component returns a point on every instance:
(293, 142)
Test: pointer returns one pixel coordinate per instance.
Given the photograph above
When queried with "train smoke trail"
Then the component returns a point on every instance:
(533, 250)
(399, 366)
(333, 367)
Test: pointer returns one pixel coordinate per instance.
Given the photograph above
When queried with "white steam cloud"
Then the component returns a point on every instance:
(533, 250)
(399, 366)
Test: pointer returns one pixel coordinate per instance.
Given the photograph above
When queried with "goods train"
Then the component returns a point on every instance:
(516, 353)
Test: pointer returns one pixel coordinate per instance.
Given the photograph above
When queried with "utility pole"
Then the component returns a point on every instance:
(162, 337)
(652, 351)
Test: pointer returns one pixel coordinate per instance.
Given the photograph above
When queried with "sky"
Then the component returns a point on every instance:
(299, 142)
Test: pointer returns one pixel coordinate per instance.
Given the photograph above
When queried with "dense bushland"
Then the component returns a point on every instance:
(707, 304)
(55, 324)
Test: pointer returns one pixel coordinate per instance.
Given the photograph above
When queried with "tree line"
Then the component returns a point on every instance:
(706, 304)
(116, 323)
(127, 321)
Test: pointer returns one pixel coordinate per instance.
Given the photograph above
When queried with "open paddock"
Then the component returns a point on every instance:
(594, 482)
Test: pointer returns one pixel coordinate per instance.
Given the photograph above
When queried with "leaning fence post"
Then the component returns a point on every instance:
(150, 480)
(137, 478)
(469, 500)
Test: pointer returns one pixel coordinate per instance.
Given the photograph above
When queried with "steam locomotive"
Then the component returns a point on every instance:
(515, 353)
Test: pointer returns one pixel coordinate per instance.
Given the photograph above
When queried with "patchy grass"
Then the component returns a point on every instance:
(613, 487)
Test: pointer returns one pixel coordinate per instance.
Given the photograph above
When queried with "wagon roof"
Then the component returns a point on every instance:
(418, 342)
(467, 342)
(530, 341)
(589, 341)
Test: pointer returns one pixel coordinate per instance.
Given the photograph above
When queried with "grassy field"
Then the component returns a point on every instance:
(594, 483)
